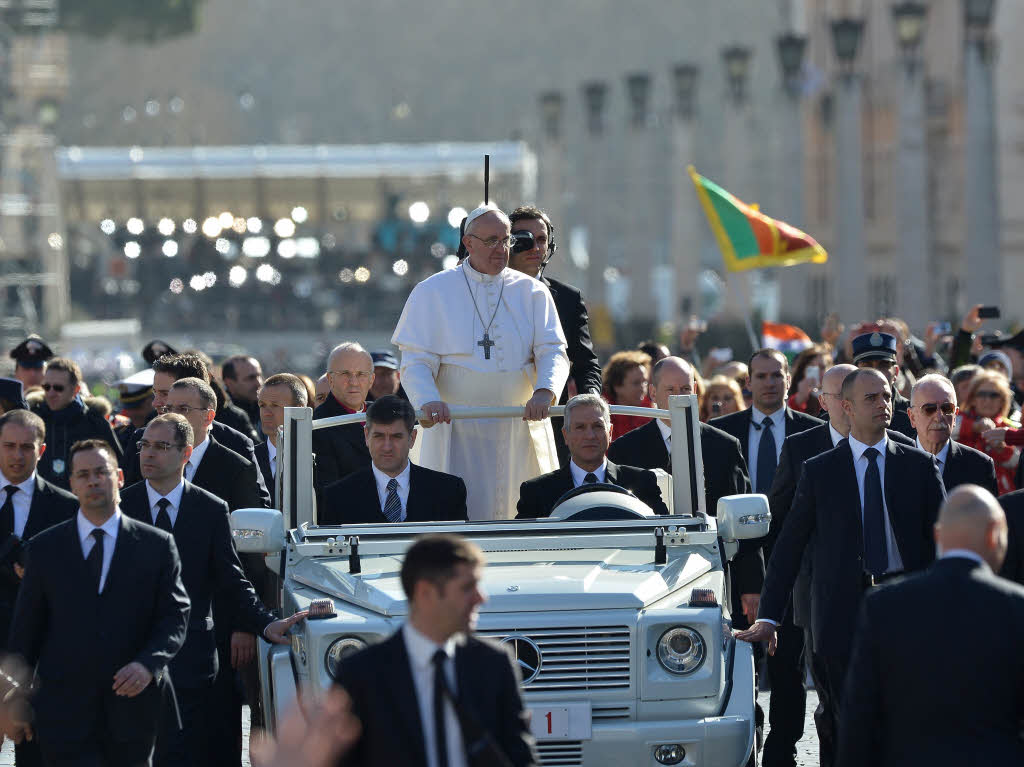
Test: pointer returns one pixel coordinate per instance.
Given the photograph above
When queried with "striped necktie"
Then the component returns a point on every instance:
(393, 504)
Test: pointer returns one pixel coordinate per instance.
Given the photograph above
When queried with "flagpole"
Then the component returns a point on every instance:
(748, 315)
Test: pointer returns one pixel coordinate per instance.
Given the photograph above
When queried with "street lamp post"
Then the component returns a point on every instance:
(848, 215)
(982, 258)
(593, 201)
(640, 183)
(685, 233)
(552, 166)
(919, 277)
(791, 48)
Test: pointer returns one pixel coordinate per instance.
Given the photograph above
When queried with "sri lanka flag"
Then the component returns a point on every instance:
(749, 239)
(788, 339)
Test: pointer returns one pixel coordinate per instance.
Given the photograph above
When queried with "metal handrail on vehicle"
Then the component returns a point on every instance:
(295, 451)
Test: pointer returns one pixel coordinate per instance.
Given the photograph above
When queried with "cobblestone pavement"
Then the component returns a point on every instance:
(807, 748)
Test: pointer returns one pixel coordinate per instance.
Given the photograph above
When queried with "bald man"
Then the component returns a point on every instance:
(954, 696)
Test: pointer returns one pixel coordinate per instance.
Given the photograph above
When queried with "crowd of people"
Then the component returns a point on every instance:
(862, 442)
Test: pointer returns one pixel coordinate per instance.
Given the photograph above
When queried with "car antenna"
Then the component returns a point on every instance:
(660, 551)
(487, 178)
(354, 565)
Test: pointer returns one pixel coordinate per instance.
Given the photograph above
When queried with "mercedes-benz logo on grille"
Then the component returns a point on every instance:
(527, 655)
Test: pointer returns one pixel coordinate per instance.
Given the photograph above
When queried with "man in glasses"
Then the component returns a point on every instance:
(209, 565)
(932, 412)
(341, 450)
(67, 420)
(482, 334)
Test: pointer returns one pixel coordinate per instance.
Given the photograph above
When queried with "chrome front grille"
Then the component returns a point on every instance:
(577, 658)
(560, 753)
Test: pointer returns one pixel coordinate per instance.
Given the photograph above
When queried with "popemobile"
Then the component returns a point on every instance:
(618, 618)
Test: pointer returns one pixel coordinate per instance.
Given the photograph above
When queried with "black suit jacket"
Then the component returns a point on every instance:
(725, 473)
(965, 465)
(537, 496)
(230, 477)
(826, 509)
(209, 566)
(433, 495)
(738, 425)
(584, 367)
(795, 450)
(905, 704)
(339, 450)
(50, 506)
(77, 639)
(263, 463)
(900, 420)
(379, 681)
(225, 435)
(1013, 507)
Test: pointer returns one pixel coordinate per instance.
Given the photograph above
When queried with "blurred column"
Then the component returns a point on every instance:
(791, 47)
(737, 175)
(685, 233)
(917, 281)
(639, 258)
(551, 178)
(592, 195)
(982, 257)
(850, 265)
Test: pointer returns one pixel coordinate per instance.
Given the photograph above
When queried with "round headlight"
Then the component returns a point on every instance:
(681, 650)
(339, 650)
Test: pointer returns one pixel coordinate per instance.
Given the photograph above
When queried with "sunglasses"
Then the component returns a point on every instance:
(947, 408)
(55, 387)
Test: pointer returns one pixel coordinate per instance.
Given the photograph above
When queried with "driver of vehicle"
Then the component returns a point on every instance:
(587, 430)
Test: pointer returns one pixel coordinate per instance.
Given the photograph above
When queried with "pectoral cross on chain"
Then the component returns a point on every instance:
(487, 343)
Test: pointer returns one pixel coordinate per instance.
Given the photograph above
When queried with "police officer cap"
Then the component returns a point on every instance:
(32, 352)
(384, 359)
(1014, 342)
(134, 389)
(874, 346)
(156, 349)
(12, 394)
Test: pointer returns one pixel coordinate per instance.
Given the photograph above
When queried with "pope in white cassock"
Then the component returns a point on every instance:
(481, 334)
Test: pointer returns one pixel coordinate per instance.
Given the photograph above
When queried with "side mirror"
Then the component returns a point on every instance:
(257, 531)
(742, 517)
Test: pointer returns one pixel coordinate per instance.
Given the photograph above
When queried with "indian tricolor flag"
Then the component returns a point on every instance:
(749, 239)
(788, 339)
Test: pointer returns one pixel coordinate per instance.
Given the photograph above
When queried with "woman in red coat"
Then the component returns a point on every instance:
(988, 402)
(625, 383)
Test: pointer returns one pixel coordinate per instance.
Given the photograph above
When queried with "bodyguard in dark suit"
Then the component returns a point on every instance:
(584, 368)
(877, 350)
(905, 704)
(30, 505)
(932, 412)
(278, 392)
(433, 690)
(199, 523)
(393, 489)
(101, 613)
(587, 432)
(342, 450)
(797, 449)
(1013, 507)
(761, 431)
(864, 512)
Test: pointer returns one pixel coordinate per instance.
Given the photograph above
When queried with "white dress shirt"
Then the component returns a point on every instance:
(666, 434)
(403, 487)
(194, 460)
(940, 457)
(754, 437)
(110, 529)
(272, 459)
(579, 475)
(835, 435)
(21, 500)
(860, 465)
(174, 497)
(421, 651)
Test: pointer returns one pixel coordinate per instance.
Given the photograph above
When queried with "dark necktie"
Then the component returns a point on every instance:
(441, 743)
(766, 458)
(876, 550)
(163, 517)
(393, 504)
(94, 562)
(7, 513)
(590, 479)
